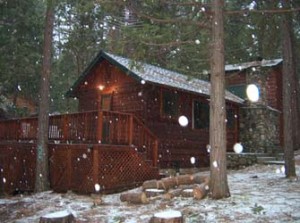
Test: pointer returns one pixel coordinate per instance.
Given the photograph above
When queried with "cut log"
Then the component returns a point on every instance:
(58, 217)
(154, 192)
(172, 193)
(169, 216)
(187, 193)
(200, 191)
(167, 183)
(150, 184)
(184, 179)
(134, 198)
(199, 179)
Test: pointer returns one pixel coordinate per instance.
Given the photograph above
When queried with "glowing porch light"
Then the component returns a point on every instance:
(101, 87)
(252, 92)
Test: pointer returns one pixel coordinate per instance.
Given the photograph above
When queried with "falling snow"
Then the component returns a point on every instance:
(183, 121)
(258, 194)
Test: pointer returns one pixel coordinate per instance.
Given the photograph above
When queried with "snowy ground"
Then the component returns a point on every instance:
(258, 194)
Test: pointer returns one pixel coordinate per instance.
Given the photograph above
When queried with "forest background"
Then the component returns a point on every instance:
(172, 34)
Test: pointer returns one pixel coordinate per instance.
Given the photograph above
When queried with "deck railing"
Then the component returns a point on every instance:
(95, 127)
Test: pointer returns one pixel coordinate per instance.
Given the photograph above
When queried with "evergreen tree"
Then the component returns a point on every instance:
(79, 35)
(20, 39)
(217, 130)
(42, 177)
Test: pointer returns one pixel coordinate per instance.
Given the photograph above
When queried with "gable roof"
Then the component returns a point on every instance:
(152, 74)
(243, 66)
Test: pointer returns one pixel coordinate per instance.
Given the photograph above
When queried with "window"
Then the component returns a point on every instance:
(106, 102)
(200, 115)
(239, 90)
(169, 104)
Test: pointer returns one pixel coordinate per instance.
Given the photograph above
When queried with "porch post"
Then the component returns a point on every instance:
(69, 167)
(95, 165)
(65, 133)
(99, 127)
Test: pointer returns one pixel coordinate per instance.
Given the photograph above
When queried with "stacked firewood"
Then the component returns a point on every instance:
(195, 186)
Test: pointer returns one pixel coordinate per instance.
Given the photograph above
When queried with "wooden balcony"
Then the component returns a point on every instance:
(95, 127)
(112, 149)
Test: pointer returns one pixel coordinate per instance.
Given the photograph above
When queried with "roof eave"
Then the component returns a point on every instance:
(100, 57)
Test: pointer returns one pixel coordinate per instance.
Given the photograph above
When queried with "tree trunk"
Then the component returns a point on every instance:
(58, 217)
(289, 97)
(167, 217)
(217, 129)
(42, 165)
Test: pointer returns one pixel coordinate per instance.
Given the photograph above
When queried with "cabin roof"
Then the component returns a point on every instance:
(153, 74)
(243, 66)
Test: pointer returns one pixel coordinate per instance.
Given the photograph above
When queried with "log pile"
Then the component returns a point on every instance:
(195, 186)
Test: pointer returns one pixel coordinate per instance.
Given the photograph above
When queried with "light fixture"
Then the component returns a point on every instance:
(101, 87)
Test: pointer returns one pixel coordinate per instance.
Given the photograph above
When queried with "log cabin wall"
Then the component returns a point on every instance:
(274, 88)
(177, 144)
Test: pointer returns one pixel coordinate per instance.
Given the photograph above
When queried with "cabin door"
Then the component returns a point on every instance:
(105, 102)
(105, 105)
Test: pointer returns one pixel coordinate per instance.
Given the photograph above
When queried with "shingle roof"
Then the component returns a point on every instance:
(155, 75)
(243, 66)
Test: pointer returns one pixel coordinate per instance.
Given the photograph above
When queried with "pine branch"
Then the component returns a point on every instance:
(264, 11)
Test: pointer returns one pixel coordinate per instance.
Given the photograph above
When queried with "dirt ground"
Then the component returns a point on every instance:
(259, 193)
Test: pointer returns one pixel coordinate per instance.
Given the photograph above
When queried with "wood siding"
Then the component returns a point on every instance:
(176, 144)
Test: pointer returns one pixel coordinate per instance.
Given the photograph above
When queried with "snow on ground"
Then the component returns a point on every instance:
(258, 194)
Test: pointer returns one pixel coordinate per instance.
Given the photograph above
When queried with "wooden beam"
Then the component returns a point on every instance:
(99, 127)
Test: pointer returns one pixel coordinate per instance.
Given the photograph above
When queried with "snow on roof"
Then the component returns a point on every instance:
(153, 74)
(243, 66)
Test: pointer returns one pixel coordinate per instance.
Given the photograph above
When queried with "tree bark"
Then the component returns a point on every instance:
(290, 109)
(134, 198)
(42, 165)
(217, 130)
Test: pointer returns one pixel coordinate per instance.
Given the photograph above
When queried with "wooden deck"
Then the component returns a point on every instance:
(114, 150)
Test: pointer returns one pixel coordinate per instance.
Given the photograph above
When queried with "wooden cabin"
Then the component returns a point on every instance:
(158, 97)
(267, 76)
(125, 130)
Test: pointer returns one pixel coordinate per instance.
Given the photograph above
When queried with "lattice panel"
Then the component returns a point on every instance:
(17, 164)
(73, 167)
(59, 175)
(82, 168)
(121, 168)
